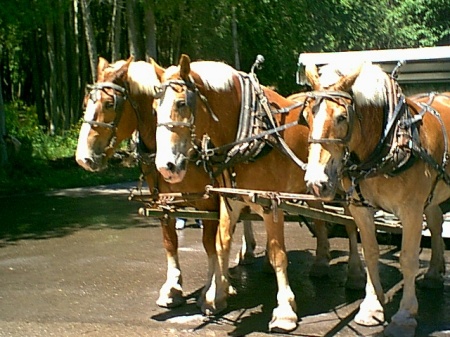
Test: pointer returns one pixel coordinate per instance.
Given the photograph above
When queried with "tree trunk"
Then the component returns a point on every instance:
(133, 31)
(64, 112)
(237, 63)
(90, 38)
(116, 29)
(53, 83)
(76, 89)
(150, 31)
(37, 43)
(3, 152)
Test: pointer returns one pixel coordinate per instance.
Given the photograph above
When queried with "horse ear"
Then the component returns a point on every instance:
(158, 69)
(101, 66)
(123, 71)
(312, 75)
(185, 67)
(346, 82)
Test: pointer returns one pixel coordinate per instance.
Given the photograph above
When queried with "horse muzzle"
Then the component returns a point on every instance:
(174, 172)
(323, 190)
(321, 182)
(92, 164)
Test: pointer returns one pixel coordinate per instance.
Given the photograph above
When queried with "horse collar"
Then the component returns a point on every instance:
(392, 154)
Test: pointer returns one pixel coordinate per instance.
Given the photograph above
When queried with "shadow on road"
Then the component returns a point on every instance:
(57, 214)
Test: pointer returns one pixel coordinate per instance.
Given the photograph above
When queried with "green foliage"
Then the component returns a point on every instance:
(421, 23)
(277, 29)
(47, 161)
(22, 123)
(34, 175)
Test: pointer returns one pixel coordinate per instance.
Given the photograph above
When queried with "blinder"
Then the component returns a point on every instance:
(190, 100)
(339, 98)
(118, 101)
(118, 104)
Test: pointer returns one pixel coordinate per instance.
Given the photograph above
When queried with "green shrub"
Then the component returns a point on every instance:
(47, 161)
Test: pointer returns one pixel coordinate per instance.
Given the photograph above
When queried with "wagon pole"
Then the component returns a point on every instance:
(288, 202)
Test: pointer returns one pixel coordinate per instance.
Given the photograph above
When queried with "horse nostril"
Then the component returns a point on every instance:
(171, 166)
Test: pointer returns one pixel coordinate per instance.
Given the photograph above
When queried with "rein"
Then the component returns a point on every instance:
(235, 151)
(399, 145)
(245, 146)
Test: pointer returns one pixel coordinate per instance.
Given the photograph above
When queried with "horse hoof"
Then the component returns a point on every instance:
(231, 291)
(355, 282)
(210, 309)
(245, 259)
(402, 325)
(319, 270)
(267, 266)
(429, 282)
(369, 317)
(283, 320)
(175, 300)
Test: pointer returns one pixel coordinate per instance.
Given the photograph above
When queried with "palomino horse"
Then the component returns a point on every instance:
(216, 102)
(118, 104)
(388, 152)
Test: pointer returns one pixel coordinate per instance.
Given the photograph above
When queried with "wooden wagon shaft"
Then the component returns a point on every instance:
(295, 212)
(205, 215)
(266, 198)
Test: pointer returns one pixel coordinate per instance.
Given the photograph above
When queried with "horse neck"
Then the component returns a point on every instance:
(146, 121)
(368, 127)
(226, 106)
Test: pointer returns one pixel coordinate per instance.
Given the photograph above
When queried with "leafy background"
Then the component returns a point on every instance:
(47, 58)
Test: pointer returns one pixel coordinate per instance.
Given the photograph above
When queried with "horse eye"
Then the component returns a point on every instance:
(180, 104)
(341, 118)
(109, 105)
(315, 109)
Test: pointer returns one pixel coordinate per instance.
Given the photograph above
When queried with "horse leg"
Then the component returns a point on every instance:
(371, 309)
(171, 292)
(246, 254)
(209, 243)
(434, 277)
(356, 277)
(403, 322)
(284, 317)
(215, 297)
(321, 264)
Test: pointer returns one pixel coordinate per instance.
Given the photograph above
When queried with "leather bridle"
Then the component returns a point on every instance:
(340, 98)
(119, 95)
(191, 94)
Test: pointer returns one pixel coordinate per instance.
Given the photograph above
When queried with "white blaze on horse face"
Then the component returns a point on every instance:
(316, 169)
(84, 151)
(168, 147)
(319, 121)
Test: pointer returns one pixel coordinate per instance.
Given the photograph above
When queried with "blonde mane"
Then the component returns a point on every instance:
(369, 87)
(216, 76)
(142, 78)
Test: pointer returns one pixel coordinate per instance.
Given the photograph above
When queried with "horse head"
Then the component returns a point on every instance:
(120, 99)
(175, 115)
(330, 113)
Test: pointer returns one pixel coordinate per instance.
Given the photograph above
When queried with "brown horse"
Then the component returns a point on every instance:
(214, 101)
(387, 152)
(119, 103)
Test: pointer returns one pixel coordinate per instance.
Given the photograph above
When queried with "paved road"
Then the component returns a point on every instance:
(82, 263)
